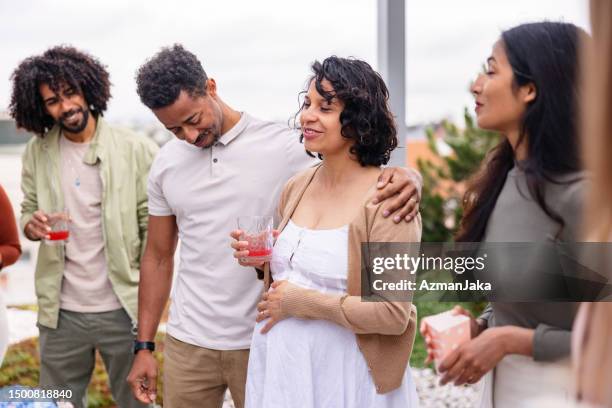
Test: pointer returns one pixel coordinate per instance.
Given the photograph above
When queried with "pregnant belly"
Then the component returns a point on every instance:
(317, 338)
(306, 357)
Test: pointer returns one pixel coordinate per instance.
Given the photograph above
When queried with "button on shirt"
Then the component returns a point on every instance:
(213, 297)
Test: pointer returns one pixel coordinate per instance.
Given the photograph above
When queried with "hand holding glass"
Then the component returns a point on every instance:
(58, 222)
(257, 231)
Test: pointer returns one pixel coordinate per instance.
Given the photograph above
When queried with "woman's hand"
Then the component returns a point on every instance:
(473, 359)
(476, 327)
(241, 253)
(270, 305)
(470, 361)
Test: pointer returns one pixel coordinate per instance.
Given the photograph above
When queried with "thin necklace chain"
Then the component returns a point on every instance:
(77, 177)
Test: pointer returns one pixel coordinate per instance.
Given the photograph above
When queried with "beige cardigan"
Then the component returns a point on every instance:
(385, 330)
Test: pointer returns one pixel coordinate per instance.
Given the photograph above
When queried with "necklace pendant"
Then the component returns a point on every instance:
(77, 181)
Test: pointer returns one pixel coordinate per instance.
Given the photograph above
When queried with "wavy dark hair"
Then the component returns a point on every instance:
(56, 66)
(160, 80)
(545, 54)
(366, 118)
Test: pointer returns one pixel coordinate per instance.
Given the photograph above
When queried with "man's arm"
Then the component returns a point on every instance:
(399, 187)
(33, 221)
(147, 155)
(153, 291)
(156, 270)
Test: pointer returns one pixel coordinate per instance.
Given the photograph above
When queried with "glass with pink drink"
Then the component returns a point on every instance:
(257, 231)
(58, 221)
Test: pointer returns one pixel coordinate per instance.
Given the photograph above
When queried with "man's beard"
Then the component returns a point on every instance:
(216, 136)
(79, 127)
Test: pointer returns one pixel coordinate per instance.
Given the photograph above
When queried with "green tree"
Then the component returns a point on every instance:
(442, 179)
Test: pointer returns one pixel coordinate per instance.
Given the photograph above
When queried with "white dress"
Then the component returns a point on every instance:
(518, 381)
(314, 363)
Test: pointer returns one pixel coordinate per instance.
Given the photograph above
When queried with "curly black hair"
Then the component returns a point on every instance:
(56, 66)
(172, 70)
(366, 118)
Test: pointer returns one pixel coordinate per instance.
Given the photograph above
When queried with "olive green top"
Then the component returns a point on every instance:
(124, 158)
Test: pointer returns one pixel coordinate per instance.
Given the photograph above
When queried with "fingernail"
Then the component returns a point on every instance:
(153, 397)
(396, 218)
(386, 213)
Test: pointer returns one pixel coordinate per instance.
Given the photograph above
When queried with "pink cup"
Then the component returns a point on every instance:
(448, 331)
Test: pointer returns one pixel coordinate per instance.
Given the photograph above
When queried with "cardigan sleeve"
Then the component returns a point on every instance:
(380, 316)
(10, 249)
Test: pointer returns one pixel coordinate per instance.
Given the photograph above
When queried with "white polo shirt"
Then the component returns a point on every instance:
(213, 298)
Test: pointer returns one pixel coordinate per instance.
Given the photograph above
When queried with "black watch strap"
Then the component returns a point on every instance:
(143, 345)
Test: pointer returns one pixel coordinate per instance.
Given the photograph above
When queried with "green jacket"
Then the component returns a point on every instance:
(124, 160)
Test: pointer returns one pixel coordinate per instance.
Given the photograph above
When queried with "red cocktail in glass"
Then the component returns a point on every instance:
(58, 221)
(59, 235)
(257, 231)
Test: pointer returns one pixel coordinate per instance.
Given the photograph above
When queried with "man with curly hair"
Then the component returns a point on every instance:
(222, 164)
(87, 287)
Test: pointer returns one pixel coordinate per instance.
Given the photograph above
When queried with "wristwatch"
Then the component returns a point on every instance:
(143, 345)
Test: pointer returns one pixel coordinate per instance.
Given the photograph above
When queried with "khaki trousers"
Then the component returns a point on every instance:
(198, 377)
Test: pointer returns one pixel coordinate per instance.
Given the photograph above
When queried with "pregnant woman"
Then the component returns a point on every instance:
(316, 343)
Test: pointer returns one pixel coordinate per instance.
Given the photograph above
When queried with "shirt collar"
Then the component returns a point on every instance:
(95, 151)
(235, 131)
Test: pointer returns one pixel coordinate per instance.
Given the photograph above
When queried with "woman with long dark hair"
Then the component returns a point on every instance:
(317, 344)
(529, 189)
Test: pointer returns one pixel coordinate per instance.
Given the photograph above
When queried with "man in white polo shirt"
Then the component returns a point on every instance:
(223, 164)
